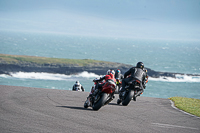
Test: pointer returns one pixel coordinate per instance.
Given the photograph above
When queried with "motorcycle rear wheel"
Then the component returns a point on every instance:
(128, 98)
(96, 106)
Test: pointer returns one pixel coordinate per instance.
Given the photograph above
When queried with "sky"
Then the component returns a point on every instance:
(144, 19)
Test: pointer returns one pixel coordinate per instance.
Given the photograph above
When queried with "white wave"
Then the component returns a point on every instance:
(44, 76)
(49, 76)
(178, 78)
(85, 74)
(3, 75)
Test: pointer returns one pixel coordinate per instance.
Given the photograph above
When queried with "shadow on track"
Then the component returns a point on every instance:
(114, 104)
(78, 108)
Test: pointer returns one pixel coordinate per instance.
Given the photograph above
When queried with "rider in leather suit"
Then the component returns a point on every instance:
(138, 73)
(77, 85)
(110, 76)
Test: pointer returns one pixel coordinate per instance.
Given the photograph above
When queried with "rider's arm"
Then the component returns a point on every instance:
(127, 73)
(73, 88)
(145, 80)
(100, 79)
(82, 88)
(146, 76)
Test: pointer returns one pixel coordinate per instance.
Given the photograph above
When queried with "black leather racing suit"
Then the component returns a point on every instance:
(136, 73)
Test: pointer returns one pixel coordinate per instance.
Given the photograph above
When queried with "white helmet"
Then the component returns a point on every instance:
(110, 72)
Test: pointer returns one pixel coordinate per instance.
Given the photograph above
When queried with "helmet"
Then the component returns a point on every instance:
(113, 72)
(77, 83)
(140, 65)
(110, 72)
(118, 71)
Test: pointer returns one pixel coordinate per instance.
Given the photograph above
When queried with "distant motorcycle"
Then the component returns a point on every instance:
(130, 90)
(103, 97)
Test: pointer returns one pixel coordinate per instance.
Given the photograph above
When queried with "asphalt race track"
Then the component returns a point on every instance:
(28, 110)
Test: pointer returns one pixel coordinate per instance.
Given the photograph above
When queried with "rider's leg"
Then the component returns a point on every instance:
(124, 83)
(97, 87)
(139, 92)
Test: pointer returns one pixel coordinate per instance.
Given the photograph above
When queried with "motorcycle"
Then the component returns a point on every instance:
(103, 96)
(129, 93)
(118, 85)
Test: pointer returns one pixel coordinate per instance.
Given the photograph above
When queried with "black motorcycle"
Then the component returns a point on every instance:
(130, 91)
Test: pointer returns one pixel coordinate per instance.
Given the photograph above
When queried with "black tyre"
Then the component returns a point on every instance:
(96, 106)
(128, 98)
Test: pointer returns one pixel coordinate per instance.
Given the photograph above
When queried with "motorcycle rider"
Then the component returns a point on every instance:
(118, 77)
(118, 74)
(138, 73)
(109, 77)
(76, 86)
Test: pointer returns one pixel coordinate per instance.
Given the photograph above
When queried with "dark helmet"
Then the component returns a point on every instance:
(77, 83)
(118, 71)
(140, 65)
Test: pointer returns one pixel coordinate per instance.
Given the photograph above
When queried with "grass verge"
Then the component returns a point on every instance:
(189, 105)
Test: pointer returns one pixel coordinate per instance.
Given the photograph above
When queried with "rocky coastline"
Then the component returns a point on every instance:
(16, 63)
(99, 69)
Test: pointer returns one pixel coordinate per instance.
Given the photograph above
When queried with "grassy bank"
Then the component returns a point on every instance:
(189, 105)
(17, 59)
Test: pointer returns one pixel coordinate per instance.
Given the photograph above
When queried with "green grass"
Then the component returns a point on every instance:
(189, 105)
(13, 59)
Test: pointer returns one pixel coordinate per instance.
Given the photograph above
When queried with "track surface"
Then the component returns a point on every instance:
(24, 109)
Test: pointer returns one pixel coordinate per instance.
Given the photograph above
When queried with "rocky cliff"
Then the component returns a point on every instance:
(11, 63)
(73, 69)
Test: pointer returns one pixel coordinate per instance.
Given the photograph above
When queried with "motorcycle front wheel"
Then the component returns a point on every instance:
(128, 98)
(97, 105)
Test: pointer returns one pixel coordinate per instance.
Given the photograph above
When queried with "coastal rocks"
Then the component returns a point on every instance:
(21, 63)
(74, 69)
(59, 68)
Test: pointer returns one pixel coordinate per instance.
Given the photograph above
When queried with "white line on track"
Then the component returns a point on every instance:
(172, 126)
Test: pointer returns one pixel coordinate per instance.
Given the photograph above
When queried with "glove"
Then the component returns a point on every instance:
(95, 80)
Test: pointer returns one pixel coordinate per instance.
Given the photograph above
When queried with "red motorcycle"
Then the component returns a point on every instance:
(103, 97)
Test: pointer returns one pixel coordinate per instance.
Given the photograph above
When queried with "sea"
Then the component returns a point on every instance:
(177, 56)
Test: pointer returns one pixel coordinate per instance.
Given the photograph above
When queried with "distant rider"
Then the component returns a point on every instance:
(78, 87)
(118, 74)
(118, 77)
(138, 73)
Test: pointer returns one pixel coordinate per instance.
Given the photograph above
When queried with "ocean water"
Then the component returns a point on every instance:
(159, 55)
